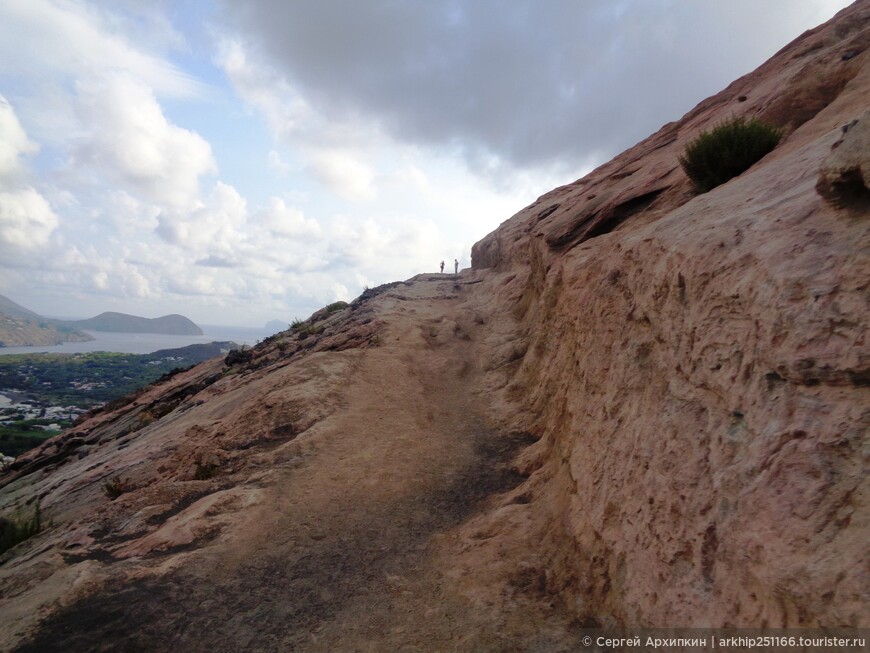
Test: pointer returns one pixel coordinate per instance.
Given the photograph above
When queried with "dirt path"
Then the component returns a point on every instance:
(343, 555)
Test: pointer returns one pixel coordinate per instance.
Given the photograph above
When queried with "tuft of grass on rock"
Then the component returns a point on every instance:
(239, 356)
(336, 306)
(727, 150)
(205, 471)
(116, 486)
(19, 528)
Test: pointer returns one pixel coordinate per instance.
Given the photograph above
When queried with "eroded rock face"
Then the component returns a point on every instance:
(844, 179)
(698, 376)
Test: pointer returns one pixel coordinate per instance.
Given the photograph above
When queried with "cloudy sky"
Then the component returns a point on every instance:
(239, 162)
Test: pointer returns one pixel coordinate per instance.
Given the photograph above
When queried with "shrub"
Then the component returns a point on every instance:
(336, 306)
(727, 150)
(238, 356)
(116, 487)
(16, 530)
(145, 418)
(304, 329)
(205, 471)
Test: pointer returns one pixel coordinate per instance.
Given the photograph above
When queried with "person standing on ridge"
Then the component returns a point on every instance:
(442, 267)
(456, 266)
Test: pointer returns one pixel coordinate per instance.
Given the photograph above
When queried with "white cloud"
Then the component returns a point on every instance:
(130, 215)
(44, 39)
(133, 142)
(192, 284)
(26, 220)
(90, 270)
(336, 151)
(413, 177)
(283, 221)
(286, 113)
(129, 281)
(100, 280)
(277, 164)
(13, 141)
(343, 172)
(215, 226)
(340, 293)
(26, 217)
(384, 249)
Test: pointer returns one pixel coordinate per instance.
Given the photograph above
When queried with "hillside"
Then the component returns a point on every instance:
(20, 327)
(174, 324)
(10, 308)
(16, 332)
(640, 407)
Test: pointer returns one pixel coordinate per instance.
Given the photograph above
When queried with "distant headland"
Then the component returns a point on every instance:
(21, 327)
(176, 325)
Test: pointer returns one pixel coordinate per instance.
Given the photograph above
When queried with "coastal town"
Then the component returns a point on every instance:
(15, 407)
(42, 394)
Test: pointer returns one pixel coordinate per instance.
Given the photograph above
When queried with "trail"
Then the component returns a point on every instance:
(347, 551)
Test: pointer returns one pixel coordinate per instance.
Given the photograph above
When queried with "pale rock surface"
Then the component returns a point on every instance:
(845, 176)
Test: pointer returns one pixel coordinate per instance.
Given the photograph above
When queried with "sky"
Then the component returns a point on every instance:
(240, 162)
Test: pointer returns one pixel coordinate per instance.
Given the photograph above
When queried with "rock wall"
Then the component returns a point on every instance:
(698, 368)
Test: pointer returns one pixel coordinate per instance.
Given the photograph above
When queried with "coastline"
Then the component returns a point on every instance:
(144, 343)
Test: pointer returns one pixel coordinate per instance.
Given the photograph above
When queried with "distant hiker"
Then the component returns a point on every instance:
(456, 266)
(442, 267)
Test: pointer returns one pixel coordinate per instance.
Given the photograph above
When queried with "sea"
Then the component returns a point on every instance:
(145, 343)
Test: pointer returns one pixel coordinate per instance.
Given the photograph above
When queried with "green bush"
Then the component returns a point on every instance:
(727, 150)
(336, 306)
(19, 528)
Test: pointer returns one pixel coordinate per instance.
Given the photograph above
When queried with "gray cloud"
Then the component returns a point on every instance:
(524, 82)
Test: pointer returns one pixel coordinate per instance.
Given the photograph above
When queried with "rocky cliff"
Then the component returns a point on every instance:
(697, 368)
(640, 407)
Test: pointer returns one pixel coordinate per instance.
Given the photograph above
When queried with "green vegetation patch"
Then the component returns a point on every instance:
(83, 380)
(727, 150)
(22, 436)
(336, 306)
(51, 390)
(16, 529)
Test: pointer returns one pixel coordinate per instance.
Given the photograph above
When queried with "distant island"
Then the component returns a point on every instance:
(20, 327)
(175, 325)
